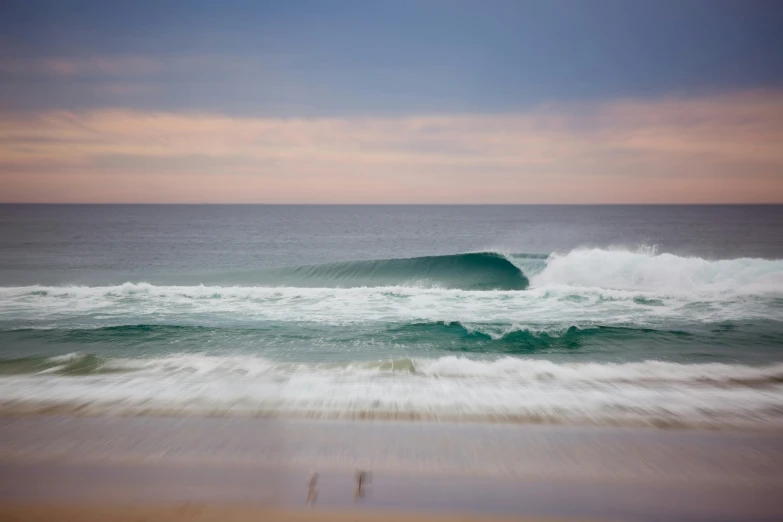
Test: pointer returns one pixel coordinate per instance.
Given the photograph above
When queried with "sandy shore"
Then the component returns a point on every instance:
(203, 513)
(237, 469)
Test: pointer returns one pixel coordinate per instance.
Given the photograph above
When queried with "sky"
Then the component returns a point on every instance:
(373, 101)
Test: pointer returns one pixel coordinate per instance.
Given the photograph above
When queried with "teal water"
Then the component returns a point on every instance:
(637, 315)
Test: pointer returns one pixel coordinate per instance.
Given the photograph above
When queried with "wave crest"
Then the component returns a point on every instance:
(648, 271)
(471, 271)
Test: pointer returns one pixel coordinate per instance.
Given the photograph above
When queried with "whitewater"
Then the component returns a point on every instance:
(591, 335)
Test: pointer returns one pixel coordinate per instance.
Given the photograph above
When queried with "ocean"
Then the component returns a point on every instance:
(616, 315)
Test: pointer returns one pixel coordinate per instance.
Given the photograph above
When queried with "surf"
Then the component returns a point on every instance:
(507, 389)
(520, 369)
(646, 270)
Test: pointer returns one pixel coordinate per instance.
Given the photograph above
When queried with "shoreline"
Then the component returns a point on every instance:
(18, 409)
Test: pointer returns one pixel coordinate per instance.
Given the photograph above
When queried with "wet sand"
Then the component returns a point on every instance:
(202, 513)
(259, 467)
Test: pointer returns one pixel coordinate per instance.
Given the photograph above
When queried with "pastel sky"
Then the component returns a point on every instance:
(494, 101)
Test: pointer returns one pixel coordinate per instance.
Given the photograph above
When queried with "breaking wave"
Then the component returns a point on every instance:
(642, 270)
(648, 271)
(472, 271)
(505, 389)
(523, 369)
(460, 336)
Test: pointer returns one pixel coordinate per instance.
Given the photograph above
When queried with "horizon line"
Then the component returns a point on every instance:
(32, 203)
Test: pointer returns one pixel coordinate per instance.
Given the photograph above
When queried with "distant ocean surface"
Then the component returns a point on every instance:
(627, 315)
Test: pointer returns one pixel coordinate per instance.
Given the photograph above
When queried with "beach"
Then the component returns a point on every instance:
(190, 512)
(207, 469)
(203, 361)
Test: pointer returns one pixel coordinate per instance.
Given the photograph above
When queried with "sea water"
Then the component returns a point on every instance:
(655, 315)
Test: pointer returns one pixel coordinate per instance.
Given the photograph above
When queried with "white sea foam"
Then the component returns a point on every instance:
(509, 388)
(520, 369)
(665, 274)
(581, 288)
(643, 372)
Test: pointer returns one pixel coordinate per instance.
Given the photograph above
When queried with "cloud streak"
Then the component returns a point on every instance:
(122, 66)
(721, 148)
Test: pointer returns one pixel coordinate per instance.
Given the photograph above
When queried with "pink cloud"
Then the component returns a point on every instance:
(89, 66)
(705, 149)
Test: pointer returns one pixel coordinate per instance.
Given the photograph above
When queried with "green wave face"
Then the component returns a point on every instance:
(33, 348)
(473, 271)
